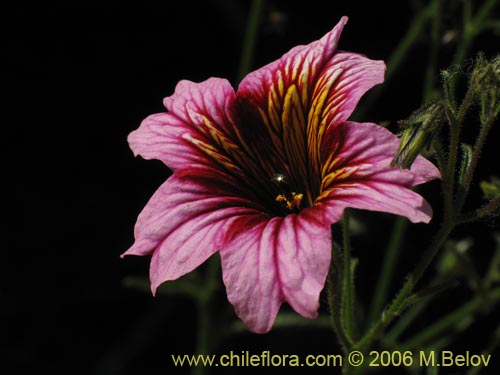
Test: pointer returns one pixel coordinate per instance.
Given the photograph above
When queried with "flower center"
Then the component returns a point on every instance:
(289, 200)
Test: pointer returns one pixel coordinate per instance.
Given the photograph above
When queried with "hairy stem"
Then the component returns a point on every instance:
(450, 320)
(478, 147)
(492, 208)
(335, 298)
(400, 326)
(395, 309)
(405, 298)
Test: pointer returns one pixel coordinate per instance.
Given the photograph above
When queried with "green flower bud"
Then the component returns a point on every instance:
(418, 132)
(485, 82)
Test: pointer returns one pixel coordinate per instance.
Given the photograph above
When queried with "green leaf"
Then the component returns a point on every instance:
(465, 162)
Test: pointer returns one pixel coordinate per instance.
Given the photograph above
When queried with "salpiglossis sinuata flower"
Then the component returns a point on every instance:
(260, 174)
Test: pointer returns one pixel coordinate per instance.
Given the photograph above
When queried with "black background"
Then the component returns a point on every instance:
(78, 79)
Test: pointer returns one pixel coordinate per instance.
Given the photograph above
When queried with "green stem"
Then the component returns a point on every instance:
(430, 74)
(336, 312)
(405, 298)
(411, 36)
(466, 104)
(478, 147)
(492, 208)
(202, 333)
(431, 252)
(482, 15)
(396, 308)
(435, 289)
(449, 320)
(426, 296)
(398, 56)
(400, 326)
(441, 159)
(450, 176)
(203, 329)
(207, 334)
(388, 268)
(467, 13)
(348, 288)
(473, 26)
(249, 42)
(335, 289)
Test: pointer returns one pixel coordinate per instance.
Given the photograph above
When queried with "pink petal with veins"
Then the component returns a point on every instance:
(185, 221)
(269, 261)
(357, 173)
(180, 138)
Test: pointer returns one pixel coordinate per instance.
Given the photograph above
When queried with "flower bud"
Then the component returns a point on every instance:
(485, 81)
(419, 131)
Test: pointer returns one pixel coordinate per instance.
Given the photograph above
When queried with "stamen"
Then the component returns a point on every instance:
(287, 199)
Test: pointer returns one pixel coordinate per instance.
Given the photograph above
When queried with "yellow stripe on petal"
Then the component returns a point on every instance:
(281, 84)
(330, 163)
(315, 125)
(213, 153)
(264, 117)
(304, 83)
(235, 153)
(336, 176)
(230, 150)
(294, 139)
(273, 109)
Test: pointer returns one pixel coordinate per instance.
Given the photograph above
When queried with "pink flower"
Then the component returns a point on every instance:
(260, 174)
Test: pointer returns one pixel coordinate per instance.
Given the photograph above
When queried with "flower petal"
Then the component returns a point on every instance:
(198, 129)
(377, 196)
(184, 222)
(267, 86)
(268, 261)
(296, 98)
(344, 80)
(249, 272)
(356, 172)
(304, 252)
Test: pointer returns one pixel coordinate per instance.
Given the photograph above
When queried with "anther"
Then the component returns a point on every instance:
(287, 199)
